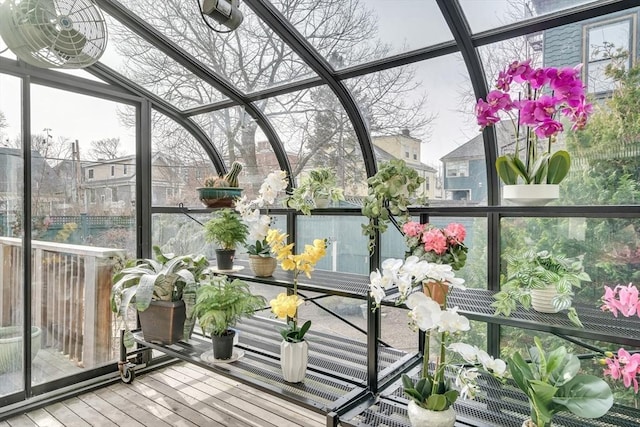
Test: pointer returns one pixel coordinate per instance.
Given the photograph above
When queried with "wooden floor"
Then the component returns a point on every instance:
(178, 395)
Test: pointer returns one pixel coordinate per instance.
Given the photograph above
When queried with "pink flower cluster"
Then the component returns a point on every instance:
(537, 110)
(625, 366)
(435, 239)
(621, 299)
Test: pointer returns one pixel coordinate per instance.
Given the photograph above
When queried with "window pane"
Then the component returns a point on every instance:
(81, 227)
(11, 237)
(351, 33)
(607, 45)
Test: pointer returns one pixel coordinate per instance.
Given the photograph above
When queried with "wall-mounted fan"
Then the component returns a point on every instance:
(54, 33)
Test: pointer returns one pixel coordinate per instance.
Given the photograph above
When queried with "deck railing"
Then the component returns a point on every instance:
(70, 288)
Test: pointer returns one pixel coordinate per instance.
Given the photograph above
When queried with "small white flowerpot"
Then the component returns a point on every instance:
(293, 360)
(542, 299)
(530, 194)
(321, 202)
(420, 417)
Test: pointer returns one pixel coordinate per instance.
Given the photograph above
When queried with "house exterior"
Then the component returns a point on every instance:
(465, 172)
(592, 43)
(408, 148)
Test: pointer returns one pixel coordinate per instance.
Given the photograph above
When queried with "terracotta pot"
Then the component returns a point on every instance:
(293, 360)
(530, 194)
(262, 266)
(420, 417)
(542, 299)
(437, 291)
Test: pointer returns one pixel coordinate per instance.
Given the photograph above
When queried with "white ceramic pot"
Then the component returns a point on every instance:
(530, 194)
(542, 299)
(420, 417)
(293, 360)
(321, 202)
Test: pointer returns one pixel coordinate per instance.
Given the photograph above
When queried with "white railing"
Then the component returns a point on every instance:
(70, 290)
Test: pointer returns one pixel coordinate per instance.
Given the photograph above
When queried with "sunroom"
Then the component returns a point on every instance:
(488, 146)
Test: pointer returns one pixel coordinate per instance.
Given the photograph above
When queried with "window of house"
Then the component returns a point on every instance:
(607, 44)
(415, 156)
(124, 169)
(90, 173)
(113, 170)
(457, 168)
(406, 154)
(92, 195)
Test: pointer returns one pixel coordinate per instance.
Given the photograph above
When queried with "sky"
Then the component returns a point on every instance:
(405, 24)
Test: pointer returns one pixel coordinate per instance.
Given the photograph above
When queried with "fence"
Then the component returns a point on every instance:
(70, 287)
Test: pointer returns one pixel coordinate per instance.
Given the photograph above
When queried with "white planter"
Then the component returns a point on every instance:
(420, 417)
(542, 299)
(530, 194)
(293, 360)
(321, 202)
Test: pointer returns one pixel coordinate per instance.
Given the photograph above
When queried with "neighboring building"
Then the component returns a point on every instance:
(110, 185)
(465, 172)
(590, 43)
(408, 148)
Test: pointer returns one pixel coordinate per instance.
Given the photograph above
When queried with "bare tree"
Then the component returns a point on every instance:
(252, 58)
(105, 149)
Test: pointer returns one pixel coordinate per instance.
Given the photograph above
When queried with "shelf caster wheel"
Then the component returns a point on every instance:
(127, 372)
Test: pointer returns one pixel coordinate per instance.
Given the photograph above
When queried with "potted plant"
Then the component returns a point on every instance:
(260, 260)
(545, 93)
(221, 191)
(552, 383)
(390, 191)
(321, 186)
(542, 280)
(294, 350)
(219, 305)
(163, 291)
(227, 230)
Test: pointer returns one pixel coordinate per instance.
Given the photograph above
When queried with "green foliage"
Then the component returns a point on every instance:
(261, 248)
(293, 333)
(391, 190)
(221, 303)
(167, 278)
(226, 229)
(232, 176)
(547, 169)
(536, 270)
(425, 394)
(552, 384)
(321, 182)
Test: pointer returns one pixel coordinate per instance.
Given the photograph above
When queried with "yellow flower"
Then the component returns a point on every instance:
(276, 238)
(288, 263)
(285, 305)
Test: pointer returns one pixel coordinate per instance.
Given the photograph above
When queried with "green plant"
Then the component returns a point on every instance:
(226, 229)
(391, 190)
(228, 180)
(320, 183)
(552, 384)
(221, 303)
(166, 278)
(536, 270)
(261, 248)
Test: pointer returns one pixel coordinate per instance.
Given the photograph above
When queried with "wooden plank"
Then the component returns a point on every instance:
(212, 383)
(217, 408)
(64, 415)
(136, 408)
(90, 326)
(115, 414)
(86, 412)
(43, 418)
(21, 421)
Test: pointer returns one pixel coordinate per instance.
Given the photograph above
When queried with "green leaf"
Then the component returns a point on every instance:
(437, 402)
(559, 164)
(506, 171)
(573, 316)
(585, 395)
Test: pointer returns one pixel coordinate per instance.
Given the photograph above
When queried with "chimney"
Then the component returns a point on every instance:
(405, 132)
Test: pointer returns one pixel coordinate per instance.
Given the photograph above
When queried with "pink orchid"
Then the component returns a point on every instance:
(520, 70)
(625, 366)
(548, 128)
(499, 100)
(486, 114)
(623, 299)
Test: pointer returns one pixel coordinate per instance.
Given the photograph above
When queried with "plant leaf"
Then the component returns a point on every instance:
(585, 395)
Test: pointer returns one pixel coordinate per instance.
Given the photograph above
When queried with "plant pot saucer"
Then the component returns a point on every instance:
(207, 357)
(235, 269)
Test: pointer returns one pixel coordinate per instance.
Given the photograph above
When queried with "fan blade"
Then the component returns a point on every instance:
(69, 42)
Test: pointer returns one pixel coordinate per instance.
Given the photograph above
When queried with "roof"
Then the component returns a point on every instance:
(472, 149)
(386, 156)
